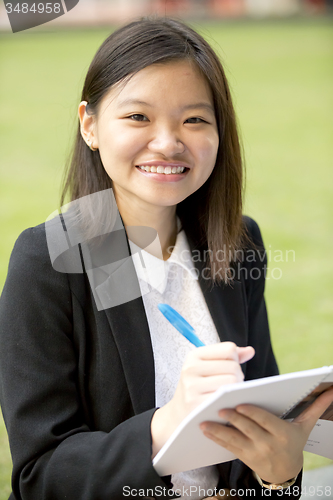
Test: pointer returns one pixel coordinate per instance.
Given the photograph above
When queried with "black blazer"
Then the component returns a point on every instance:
(77, 384)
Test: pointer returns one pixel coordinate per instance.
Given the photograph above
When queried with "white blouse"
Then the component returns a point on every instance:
(175, 282)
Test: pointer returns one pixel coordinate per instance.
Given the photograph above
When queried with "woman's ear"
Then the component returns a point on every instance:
(87, 127)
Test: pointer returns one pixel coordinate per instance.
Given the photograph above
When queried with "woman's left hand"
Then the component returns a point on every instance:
(271, 447)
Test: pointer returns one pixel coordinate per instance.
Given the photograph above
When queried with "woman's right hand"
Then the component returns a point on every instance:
(205, 369)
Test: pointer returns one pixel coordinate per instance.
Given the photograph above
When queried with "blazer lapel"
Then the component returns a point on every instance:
(130, 329)
(116, 290)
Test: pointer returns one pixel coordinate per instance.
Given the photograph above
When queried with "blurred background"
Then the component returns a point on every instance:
(102, 12)
(278, 55)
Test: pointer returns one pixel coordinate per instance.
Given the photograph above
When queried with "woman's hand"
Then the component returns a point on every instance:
(272, 447)
(205, 369)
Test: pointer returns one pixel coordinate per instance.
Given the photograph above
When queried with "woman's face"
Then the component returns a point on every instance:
(162, 120)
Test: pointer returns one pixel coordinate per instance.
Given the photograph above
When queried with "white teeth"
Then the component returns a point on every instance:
(162, 170)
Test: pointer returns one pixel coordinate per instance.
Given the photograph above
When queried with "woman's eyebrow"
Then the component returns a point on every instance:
(196, 105)
(199, 105)
(126, 102)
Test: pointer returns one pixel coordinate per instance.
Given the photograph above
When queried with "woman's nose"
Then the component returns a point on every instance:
(167, 143)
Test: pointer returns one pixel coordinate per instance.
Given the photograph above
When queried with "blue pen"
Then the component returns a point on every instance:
(180, 324)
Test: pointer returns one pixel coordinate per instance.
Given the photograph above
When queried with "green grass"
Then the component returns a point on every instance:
(281, 74)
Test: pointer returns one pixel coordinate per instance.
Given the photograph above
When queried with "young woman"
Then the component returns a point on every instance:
(91, 392)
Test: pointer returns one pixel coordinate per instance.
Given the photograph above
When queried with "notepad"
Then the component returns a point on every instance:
(283, 395)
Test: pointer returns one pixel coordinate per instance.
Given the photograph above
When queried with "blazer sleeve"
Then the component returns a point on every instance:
(253, 268)
(55, 454)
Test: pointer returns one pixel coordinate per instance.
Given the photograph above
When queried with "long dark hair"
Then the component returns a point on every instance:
(215, 210)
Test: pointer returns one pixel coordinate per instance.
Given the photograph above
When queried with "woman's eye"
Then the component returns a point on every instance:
(138, 117)
(195, 119)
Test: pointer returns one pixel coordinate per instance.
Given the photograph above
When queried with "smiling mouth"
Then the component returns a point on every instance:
(163, 170)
